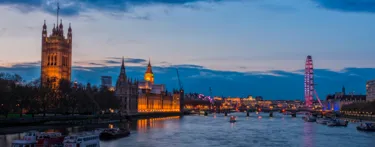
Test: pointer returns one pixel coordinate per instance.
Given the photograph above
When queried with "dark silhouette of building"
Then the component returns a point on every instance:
(106, 81)
(127, 92)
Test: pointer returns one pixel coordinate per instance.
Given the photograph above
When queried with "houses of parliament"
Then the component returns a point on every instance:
(135, 96)
(56, 62)
(144, 96)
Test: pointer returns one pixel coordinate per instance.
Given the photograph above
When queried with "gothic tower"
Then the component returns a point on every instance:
(127, 92)
(56, 62)
(149, 75)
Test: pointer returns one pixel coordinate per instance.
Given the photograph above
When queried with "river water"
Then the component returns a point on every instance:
(258, 130)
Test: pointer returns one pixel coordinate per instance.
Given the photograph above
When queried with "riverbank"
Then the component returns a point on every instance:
(77, 119)
(358, 118)
(86, 124)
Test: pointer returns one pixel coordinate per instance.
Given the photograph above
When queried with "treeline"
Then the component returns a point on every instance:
(360, 107)
(17, 96)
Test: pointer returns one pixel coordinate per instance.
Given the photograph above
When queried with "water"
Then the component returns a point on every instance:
(215, 130)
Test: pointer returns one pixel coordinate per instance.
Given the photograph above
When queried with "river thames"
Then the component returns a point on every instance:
(258, 130)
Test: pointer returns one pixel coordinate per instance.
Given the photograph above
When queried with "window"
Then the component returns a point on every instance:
(49, 59)
(55, 62)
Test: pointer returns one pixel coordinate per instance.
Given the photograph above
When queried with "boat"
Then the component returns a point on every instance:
(232, 119)
(24, 143)
(83, 139)
(368, 127)
(114, 133)
(337, 123)
(309, 118)
(323, 121)
(205, 113)
(44, 139)
(99, 130)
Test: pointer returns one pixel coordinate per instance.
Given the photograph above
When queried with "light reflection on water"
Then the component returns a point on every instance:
(257, 130)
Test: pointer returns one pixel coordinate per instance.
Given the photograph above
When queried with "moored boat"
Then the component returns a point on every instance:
(44, 139)
(337, 123)
(308, 118)
(24, 143)
(83, 139)
(323, 121)
(368, 127)
(232, 119)
(114, 133)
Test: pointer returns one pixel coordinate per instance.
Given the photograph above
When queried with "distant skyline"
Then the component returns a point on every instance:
(246, 37)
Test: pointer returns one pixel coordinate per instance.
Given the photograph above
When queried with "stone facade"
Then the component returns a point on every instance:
(127, 92)
(56, 62)
(154, 97)
(370, 90)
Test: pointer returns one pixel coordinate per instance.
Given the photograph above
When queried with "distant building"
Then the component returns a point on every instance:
(370, 90)
(127, 92)
(336, 101)
(259, 98)
(106, 81)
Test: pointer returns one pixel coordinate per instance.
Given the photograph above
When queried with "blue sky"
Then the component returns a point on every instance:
(238, 47)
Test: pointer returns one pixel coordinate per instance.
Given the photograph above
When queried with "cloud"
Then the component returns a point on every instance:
(98, 64)
(187, 66)
(110, 61)
(269, 73)
(134, 60)
(348, 5)
(75, 7)
(126, 60)
(113, 61)
(21, 65)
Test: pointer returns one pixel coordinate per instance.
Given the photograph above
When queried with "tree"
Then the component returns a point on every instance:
(66, 96)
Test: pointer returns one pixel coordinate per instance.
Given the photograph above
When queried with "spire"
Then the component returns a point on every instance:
(61, 25)
(149, 67)
(123, 65)
(58, 9)
(70, 28)
(44, 25)
(54, 29)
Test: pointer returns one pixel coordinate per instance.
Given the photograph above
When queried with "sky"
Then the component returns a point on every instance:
(237, 47)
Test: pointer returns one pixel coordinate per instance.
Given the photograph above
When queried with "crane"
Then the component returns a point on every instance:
(179, 81)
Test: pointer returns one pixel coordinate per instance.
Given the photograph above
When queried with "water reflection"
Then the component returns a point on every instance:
(307, 135)
(215, 130)
(144, 124)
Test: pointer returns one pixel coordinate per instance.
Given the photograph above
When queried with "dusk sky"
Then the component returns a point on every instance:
(248, 44)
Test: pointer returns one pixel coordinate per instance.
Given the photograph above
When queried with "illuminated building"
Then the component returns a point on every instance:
(56, 62)
(154, 97)
(127, 92)
(264, 104)
(336, 101)
(250, 101)
(149, 76)
(370, 90)
(218, 98)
